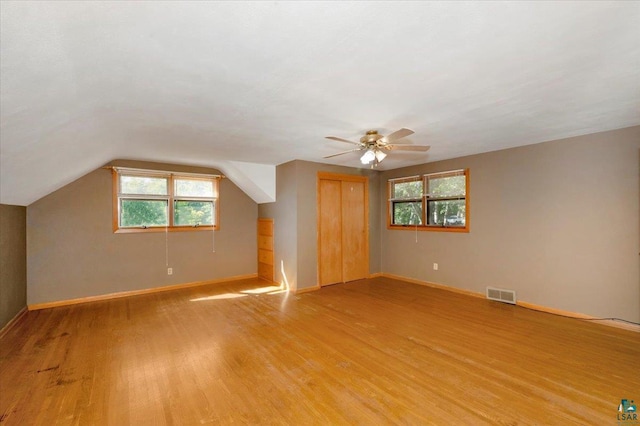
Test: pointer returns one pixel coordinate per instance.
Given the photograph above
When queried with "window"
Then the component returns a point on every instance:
(406, 201)
(436, 201)
(446, 198)
(148, 201)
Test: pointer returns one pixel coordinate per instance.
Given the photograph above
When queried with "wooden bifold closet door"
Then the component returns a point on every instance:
(343, 228)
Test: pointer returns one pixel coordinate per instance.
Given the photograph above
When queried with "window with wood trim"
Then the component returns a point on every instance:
(434, 202)
(148, 201)
(405, 200)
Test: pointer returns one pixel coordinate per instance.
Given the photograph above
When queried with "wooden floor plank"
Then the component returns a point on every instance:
(368, 352)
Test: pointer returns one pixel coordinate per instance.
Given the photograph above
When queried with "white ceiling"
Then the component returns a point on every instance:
(205, 83)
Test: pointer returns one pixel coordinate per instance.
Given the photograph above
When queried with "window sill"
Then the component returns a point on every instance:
(429, 228)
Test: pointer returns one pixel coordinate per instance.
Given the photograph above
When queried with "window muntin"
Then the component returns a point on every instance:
(436, 201)
(147, 200)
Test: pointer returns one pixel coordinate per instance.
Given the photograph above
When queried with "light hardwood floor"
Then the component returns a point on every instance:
(371, 352)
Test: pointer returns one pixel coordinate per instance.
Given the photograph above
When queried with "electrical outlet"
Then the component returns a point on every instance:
(435, 266)
(169, 271)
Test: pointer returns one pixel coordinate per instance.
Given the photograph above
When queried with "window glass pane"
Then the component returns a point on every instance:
(446, 213)
(407, 190)
(447, 186)
(143, 185)
(140, 213)
(193, 213)
(194, 188)
(407, 213)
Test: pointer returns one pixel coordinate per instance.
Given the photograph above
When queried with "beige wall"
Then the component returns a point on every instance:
(295, 215)
(284, 213)
(13, 261)
(73, 252)
(558, 222)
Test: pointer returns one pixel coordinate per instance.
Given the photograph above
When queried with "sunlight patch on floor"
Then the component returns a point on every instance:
(272, 289)
(220, 297)
(268, 290)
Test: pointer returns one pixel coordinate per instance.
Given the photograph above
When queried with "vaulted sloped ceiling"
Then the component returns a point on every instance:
(209, 83)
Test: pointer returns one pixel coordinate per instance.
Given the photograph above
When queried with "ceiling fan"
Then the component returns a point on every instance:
(375, 145)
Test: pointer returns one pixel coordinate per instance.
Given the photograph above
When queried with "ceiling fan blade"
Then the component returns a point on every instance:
(343, 152)
(403, 147)
(335, 138)
(398, 134)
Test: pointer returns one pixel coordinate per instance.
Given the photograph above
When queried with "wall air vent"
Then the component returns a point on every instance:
(501, 295)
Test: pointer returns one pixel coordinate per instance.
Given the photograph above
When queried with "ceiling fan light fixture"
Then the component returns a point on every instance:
(380, 155)
(368, 157)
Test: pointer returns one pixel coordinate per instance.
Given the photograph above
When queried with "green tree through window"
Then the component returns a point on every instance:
(143, 213)
(194, 213)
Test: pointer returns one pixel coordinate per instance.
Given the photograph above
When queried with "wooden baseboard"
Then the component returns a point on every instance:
(434, 285)
(8, 326)
(375, 275)
(611, 323)
(46, 305)
(552, 310)
(306, 289)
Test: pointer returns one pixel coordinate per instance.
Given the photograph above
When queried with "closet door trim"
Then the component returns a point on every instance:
(342, 178)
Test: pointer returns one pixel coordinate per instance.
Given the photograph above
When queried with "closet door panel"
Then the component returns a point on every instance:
(330, 232)
(355, 259)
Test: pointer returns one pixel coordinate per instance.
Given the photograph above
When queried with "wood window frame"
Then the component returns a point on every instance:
(171, 197)
(424, 200)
